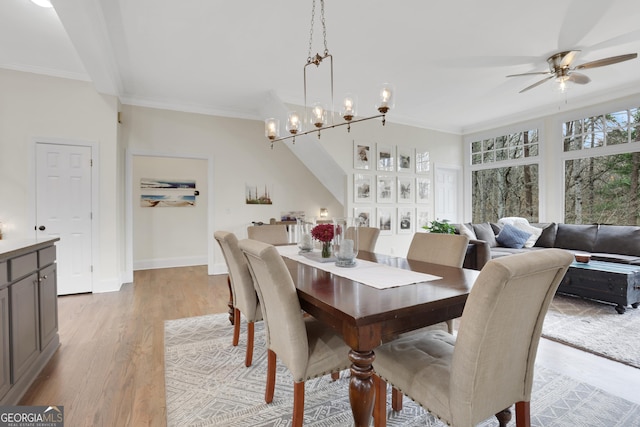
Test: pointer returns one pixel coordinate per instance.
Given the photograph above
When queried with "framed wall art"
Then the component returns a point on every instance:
(423, 190)
(422, 219)
(423, 164)
(364, 215)
(405, 189)
(362, 156)
(405, 159)
(385, 185)
(362, 188)
(405, 220)
(385, 221)
(385, 158)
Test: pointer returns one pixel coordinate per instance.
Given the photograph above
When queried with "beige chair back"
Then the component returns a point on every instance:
(286, 333)
(367, 237)
(437, 248)
(493, 359)
(274, 234)
(242, 288)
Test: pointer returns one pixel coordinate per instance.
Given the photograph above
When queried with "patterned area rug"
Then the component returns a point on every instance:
(594, 327)
(207, 384)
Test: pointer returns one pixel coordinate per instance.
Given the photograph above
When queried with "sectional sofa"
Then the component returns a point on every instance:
(609, 243)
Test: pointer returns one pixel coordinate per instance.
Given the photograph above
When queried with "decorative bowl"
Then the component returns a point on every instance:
(583, 258)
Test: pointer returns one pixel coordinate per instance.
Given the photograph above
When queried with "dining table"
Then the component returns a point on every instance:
(373, 306)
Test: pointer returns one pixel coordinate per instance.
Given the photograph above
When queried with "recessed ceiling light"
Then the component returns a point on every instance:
(42, 3)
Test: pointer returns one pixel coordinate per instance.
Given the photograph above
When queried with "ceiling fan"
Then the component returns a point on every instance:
(561, 69)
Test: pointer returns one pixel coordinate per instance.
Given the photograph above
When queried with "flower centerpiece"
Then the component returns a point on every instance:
(324, 234)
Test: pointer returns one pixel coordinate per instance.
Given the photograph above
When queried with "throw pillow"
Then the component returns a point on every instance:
(485, 232)
(463, 230)
(512, 237)
(548, 236)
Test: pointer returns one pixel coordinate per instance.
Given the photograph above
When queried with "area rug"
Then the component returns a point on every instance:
(207, 384)
(594, 327)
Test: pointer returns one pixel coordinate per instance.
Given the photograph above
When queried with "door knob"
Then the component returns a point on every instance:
(42, 228)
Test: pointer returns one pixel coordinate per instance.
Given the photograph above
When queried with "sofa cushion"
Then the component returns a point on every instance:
(512, 237)
(547, 237)
(485, 232)
(576, 236)
(466, 230)
(618, 239)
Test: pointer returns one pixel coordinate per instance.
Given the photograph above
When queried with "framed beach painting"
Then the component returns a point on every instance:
(362, 155)
(362, 188)
(385, 158)
(385, 185)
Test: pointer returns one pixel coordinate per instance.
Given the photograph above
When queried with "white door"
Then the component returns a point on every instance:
(446, 193)
(63, 209)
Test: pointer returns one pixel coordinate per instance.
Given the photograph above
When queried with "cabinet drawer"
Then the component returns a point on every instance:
(46, 256)
(4, 274)
(23, 265)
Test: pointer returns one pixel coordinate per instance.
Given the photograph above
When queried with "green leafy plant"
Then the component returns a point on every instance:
(442, 227)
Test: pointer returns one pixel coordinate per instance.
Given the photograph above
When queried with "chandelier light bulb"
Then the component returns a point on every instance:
(318, 115)
(272, 128)
(385, 102)
(293, 123)
(349, 107)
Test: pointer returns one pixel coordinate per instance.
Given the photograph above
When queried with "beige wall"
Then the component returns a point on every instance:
(34, 107)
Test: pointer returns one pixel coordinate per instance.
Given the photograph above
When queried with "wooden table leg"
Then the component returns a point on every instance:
(230, 303)
(361, 387)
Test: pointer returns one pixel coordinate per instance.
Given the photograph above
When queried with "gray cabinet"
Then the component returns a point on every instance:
(5, 349)
(28, 314)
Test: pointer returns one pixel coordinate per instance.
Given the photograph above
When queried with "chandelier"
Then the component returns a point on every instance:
(316, 117)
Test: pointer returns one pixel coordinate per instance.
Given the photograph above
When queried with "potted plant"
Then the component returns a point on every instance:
(443, 227)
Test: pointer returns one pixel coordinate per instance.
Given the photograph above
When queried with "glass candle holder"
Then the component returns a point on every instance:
(345, 241)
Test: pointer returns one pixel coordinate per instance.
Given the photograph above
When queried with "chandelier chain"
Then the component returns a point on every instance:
(324, 29)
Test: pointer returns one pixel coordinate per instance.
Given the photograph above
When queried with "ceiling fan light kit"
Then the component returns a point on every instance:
(564, 73)
(317, 117)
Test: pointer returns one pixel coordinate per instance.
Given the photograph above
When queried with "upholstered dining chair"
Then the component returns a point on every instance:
(489, 365)
(438, 248)
(367, 237)
(274, 234)
(244, 297)
(307, 347)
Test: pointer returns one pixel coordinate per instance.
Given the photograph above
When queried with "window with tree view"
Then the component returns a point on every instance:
(504, 177)
(602, 164)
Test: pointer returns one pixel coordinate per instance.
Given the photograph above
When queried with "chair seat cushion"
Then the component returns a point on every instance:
(418, 360)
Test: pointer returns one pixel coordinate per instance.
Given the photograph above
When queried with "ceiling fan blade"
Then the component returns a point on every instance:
(568, 58)
(579, 78)
(536, 84)
(536, 73)
(607, 61)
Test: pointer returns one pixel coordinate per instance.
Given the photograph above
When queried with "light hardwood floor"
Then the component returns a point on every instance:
(109, 370)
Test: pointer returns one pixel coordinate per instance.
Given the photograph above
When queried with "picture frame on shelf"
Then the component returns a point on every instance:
(385, 221)
(362, 188)
(385, 186)
(405, 159)
(423, 190)
(422, 219)
(405, 189)
(385, 158)
(362, 156)
(422, 161)
(364, 214)
(405, 220)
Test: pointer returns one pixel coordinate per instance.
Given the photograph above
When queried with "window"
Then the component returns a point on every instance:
(601, 168)
(504, 177)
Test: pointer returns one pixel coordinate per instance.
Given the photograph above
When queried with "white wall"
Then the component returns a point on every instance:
(35, 106)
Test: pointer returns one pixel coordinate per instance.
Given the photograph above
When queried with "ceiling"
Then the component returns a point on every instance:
(448, 60)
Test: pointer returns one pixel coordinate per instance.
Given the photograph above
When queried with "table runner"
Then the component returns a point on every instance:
(368, 273)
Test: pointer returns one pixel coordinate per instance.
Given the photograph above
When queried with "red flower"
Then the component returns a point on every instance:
(322, 232)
